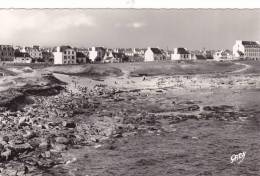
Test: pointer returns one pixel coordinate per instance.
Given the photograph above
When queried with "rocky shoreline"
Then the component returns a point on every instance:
(34, 136)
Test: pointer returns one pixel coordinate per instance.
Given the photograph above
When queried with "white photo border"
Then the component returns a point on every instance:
(236, 4)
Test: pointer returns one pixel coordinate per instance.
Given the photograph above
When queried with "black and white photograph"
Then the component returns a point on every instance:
(129, 91)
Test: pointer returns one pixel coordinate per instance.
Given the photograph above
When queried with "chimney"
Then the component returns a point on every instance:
(58, 49)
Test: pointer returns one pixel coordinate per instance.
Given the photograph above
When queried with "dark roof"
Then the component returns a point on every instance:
(20, 54)
(156, 51)
(128, 50)
(98, 48)
(118, 55)
(63, 48)
(80, 54)
(252, 44)
(182, 51)
(240, 53)
(201, 57)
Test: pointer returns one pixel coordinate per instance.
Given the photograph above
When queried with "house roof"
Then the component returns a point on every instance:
(80, 54)
(182, 51)
(240, 53)
(251, 44)
(63, 48)
(129, 50)
(21, 54)
(97, 48)
(200, 57)
(118, 55)
(156, 51)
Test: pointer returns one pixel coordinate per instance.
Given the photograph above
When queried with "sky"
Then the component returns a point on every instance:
(189, 28)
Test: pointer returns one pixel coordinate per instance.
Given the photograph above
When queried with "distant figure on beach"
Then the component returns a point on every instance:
(143, 78)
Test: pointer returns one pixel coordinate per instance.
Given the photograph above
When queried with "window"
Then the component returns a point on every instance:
(65, 57)
(72, 57)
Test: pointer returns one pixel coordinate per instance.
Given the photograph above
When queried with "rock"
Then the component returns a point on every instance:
(29, 135)
(45, 163)
(6, 154)
(1, 147)
(20, 148)
(61, 140)
(22, 120)
(59, 147)
(185, 137)
(5, 139)
(47, 154)
(69, 124)
(194, 137)
(107, 132)
(44, 144)
(242, 118)
(34, 142)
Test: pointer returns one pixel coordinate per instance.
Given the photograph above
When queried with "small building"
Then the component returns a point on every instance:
(64, 55)
(180, 54)
(208, 54)
(246, 50)
(6, 53)
(153, 54)
(135, 58)
(22, 57)
(96, 54)
(129, 52)
(222, 55)
(48, 57)
(34, 52)
(139, 51)
(81, 58)
(198, 57)
(113, 57)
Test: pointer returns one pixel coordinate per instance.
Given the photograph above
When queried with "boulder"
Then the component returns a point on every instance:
(61, 140)
(20, 148)
(69, 124)
(6, 154)
(44, 144)
(58, 147)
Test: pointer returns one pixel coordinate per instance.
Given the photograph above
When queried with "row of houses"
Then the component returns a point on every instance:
(70, 55)
(156, 54)
(242, 50)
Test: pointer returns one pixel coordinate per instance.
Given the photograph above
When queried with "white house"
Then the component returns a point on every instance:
(153, 54)
(113, 57)
(222, 55)
(34, 52)
(64, 55)
(246, 50)
(180, 54)
(97, 53)
(129, 52)
(139, 51)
